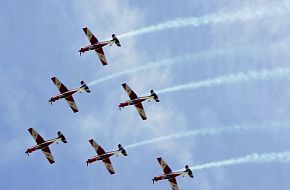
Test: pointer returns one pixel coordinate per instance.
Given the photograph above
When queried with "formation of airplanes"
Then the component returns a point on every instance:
(134, 100)
(104, 156)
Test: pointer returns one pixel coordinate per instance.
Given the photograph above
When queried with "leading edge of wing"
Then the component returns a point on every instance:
(90, 36)
(102, 57)
(173, 183)
(71, 102)
(38, 139)
(141, 111)
(166, 169)
(132, 95)
(48, 155)
(109, 166)
(99, 150)
(61, 87)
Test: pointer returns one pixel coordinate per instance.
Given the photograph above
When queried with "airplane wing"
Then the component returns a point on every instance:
(109, 166)
(173, 183)
(90, 36)
(97, 147)
(164, 166)
(71, 102)
(48, 155)
(141, 111)
(101, 55)
(62, 88)
(129, 91)
(36, 136)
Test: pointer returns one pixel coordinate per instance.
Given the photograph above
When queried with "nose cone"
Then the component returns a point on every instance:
(28, 151)
(88, 162)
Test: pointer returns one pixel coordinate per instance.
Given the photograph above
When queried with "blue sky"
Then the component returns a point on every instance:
(41, 39)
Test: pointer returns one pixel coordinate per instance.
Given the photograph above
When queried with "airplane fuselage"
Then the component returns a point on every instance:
(64, 95)
(169, 176)
(103, 156)
(42, 145)
(136, 101)
(95, 46)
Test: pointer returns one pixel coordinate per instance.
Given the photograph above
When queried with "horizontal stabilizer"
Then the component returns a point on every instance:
(116, 40)
(188, 170)
(85, 87)
(123, 151)
(61, 136)
(154, 95)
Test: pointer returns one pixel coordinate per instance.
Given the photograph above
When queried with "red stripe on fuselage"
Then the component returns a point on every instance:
(40, 146)
(166, 176)
(93, 47)
(100, 157)
(63, 95)
(133, 102)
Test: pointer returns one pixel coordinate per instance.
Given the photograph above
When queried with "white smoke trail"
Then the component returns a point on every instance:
(282, 157)
(230, 79)
(184, 59)
(211, 131)
(242, 15)
(164, 62)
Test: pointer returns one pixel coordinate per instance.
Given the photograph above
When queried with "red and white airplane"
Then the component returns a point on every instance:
(97, 46)
(67, 94)
(105, 156)
(169, 175)
(137, 101)
(44, 145)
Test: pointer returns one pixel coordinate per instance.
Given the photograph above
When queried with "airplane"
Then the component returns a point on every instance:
(137, 101)
(97, 46)
(44, 145)
(105, 156)
(67, 94)
(169, 175)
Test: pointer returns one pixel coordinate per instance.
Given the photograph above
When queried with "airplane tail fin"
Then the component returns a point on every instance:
(188, 170)
(123, 151)
(154, 95)
(116, 40)
(61, 136)
(85, 87)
